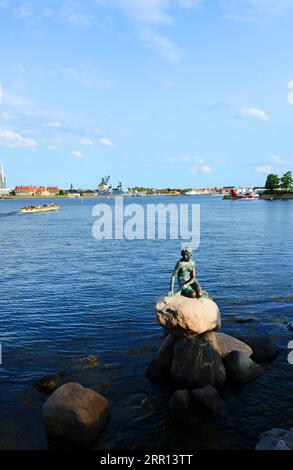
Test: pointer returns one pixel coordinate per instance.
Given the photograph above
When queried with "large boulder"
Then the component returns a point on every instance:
(182, 316)
(210, 398)
(160, 366)
(263, 347)
(226, 344)
(75, 414)
(240, 368)
(197, 363)
(180, 400)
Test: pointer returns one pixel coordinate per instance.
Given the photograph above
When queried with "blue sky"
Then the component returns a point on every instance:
(162, 93)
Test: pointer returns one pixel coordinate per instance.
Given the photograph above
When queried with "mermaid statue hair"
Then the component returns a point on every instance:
(186, 250)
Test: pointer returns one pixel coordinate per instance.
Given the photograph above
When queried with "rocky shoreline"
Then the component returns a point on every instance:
(195, 359)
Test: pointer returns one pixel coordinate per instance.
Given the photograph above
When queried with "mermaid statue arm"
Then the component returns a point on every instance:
(173, 277)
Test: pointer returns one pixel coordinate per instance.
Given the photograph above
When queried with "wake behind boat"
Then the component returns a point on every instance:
(39, 208)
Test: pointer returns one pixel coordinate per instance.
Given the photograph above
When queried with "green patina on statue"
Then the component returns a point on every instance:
(185, 272)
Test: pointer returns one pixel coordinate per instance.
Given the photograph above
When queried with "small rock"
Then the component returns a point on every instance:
(160, 366)
(210, 398)
(269, 439)
(245, 320)
(180, 400)
(288, 438)
(263, 347)
(75, 414)
(182, 316)
(281, 445)
(49, 383)
(240, 368)
(197, 363)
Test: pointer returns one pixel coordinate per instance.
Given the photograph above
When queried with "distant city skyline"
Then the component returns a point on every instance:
(160, 93)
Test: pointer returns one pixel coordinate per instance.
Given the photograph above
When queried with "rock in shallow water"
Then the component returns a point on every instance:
(263, 347)
(272, 440)
(49, 383)
(196, 363)
(210, 398)
(240, 368)
(180, 400)
(182, 316)
(75, 414)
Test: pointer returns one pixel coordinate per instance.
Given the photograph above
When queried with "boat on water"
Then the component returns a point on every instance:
(234, 196)
(39, 208)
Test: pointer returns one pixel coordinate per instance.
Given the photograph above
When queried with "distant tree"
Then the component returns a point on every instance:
(287, 181)
(61, 192)
(272, 182)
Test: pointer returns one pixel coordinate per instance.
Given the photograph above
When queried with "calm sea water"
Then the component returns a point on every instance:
(65, 296)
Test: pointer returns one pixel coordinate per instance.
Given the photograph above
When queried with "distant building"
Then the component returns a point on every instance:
(2, 177)
(226, 189)
(36, 191)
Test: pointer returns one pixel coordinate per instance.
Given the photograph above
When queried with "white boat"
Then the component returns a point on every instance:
(193, 192)
(39, 208)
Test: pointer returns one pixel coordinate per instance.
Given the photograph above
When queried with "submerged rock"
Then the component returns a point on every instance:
(197, 363)
(160, 366)
(210, 398)
(180, 400)
(182, 316)
(49, 383)
(241, 369)
(263, 347)
(244, 320)
(75, 414)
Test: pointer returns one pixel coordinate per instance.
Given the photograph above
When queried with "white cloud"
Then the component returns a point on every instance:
(87, 142)
(33, 11)
(13, 140)
(16, 101)
(106, 142)
(85, 75)
(264, 169)
(185, 159)
(202, 169)
(277, 160)
(73, 15)
(206, 169)
(77, 154)
(149, 11)
(257, 113)
(6, 116)
(252, 10)
(161, 44)
(290, 95)
(52, 147)
(143, 11)
(150, 14)
(53, 125)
